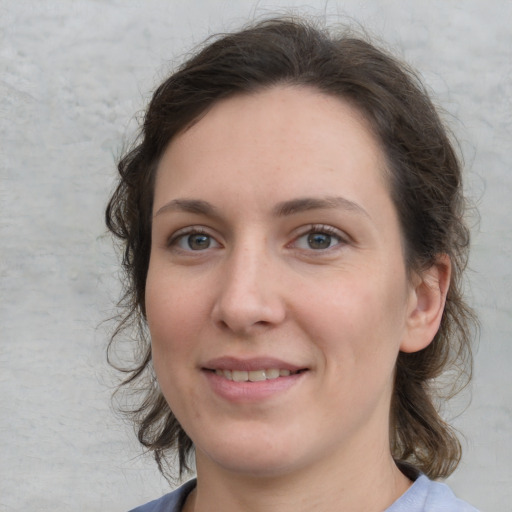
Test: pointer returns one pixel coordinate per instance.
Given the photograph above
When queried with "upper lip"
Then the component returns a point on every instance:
(249, 364)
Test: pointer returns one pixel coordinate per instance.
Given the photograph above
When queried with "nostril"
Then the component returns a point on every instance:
(223, 325)
(263, 323)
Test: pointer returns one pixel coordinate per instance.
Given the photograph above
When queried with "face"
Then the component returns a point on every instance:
(277, 297)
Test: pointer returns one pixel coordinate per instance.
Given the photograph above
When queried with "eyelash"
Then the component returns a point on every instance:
(320, 229)
(182, 234)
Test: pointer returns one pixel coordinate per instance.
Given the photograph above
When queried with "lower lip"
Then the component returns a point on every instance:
(250, 391)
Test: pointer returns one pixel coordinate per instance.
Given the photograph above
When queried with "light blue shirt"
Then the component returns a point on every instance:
(424, 495)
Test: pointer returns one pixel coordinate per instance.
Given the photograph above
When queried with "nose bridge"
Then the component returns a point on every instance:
(249, 293)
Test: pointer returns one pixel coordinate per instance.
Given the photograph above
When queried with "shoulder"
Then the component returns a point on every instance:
(428, 496)
(171, 502)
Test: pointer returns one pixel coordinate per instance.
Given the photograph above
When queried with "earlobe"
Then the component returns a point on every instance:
(428, 298)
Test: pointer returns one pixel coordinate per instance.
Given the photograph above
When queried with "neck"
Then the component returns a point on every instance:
(330, 485)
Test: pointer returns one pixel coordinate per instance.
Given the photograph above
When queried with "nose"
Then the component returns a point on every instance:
(250, 294)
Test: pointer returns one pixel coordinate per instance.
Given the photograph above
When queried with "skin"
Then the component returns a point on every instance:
(234, 272)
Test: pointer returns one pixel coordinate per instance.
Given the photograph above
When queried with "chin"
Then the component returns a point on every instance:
(253, 460)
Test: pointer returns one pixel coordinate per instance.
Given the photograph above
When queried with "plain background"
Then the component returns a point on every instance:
(73, 76)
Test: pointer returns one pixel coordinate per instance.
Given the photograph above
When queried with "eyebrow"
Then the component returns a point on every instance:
(196, 206)
(282, 209)
(304, 204)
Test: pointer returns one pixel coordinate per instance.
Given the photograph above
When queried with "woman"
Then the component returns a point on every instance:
(293, 239)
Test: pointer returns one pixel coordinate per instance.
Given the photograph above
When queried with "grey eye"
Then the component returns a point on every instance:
(193, 240)
(198, 241)
(319, 240)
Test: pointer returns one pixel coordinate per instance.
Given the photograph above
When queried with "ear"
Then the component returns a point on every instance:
(428, 297)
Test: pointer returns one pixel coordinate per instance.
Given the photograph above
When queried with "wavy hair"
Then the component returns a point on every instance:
(426, 188)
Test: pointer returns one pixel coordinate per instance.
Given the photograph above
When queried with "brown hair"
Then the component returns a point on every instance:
(426, 188)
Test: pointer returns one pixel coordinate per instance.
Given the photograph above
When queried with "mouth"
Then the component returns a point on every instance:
(258, 375)
(254, 378)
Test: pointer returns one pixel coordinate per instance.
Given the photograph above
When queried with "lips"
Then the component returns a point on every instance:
(259, 364)
(248, 379)
(254, 375)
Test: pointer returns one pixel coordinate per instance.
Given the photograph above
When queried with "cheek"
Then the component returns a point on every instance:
(177, 314)
(359, 322)
(173, 330)
(172, 306)
(169, 327)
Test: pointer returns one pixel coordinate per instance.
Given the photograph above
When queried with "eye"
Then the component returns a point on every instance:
(319, 238)
(196, 240)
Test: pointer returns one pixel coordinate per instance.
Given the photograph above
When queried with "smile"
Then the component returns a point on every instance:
(249, 380)
(254, 375)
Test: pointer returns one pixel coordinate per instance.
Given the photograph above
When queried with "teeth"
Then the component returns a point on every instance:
(257, 375)
(228, 374)
(253, 376)
(272, 373)
(240, 375)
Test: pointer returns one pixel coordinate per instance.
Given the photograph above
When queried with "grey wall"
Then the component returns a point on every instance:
(73, 74)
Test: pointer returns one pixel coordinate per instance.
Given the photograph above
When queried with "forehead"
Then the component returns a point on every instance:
(288, 127)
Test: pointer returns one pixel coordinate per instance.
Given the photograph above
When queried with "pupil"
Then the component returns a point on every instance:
(319, 240)
(197, 242)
